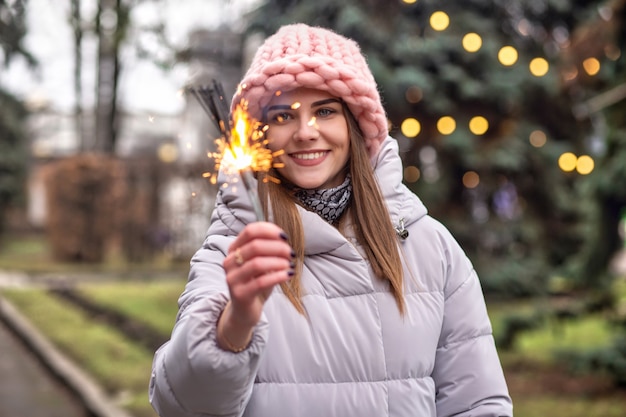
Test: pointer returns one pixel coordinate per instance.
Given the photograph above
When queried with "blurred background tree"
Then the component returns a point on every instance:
(481, 95)
(79, 228)
(13, 157)
(510, 119)
(603, 104)
(602, 258)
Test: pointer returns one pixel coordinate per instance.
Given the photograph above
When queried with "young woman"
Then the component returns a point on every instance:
(352, 301)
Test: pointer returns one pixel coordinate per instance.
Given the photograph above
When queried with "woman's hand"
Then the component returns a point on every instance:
(258, 259)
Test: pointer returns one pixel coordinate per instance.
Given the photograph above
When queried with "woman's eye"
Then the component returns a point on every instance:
(324, 112)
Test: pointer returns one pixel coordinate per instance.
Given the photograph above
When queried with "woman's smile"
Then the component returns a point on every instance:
(309, 158)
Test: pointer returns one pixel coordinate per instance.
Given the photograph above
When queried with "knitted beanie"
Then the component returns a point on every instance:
(299, 55)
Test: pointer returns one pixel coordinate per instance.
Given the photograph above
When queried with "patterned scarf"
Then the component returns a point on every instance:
(330, 203)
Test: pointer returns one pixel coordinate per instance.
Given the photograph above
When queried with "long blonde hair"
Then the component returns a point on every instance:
(371, 221)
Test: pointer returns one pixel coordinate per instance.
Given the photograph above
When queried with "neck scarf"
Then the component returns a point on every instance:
(329, 203)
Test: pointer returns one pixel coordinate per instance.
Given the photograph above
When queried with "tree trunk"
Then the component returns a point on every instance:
(108, 71)
(76, 23)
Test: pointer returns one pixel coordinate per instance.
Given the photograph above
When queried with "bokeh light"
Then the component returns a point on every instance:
(472, 42)
(567, 162)
(446, 125)
(591, 66)
(471, 179)
(537, 138)
(412, 174)
(507, 56)
(439, 21)
(409, 1)
(478, 125)
(428, 155)
(612, 52)
(524, 27)
(168, 153)
(410, 127)
(570, 74)
(413, 94)
(539, 67)
(584, 164)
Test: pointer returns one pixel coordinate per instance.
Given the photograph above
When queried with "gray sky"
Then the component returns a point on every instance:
(144, 88)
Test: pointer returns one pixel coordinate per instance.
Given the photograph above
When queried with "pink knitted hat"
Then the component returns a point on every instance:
(303, 56)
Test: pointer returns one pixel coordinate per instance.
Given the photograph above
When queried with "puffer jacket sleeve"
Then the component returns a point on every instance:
(468, 375)
(191, 374)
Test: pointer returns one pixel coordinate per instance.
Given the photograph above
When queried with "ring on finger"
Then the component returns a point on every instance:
(238, 257)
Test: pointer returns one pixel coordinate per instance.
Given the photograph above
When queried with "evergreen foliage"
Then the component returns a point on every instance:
(525, 219)
(12, 153)
(12, 112)
(529, 227)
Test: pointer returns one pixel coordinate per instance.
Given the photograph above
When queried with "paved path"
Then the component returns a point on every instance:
(26, 388)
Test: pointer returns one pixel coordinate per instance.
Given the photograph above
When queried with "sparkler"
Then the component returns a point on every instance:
(242, 145)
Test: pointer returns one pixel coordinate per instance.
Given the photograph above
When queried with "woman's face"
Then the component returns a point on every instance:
(310, 126)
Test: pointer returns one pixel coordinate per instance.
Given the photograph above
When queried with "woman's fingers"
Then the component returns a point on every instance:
(239, 256)
(261, 285)
(255, 269)
(259, 230)
(260, 265)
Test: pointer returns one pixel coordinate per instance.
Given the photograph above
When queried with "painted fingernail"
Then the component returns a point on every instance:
(291, 272)
(284, 236)
(293, 253)
(292, 264)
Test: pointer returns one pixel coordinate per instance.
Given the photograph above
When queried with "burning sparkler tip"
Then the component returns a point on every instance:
(242, 147)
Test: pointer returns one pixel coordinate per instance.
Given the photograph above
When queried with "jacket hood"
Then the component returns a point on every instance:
(233, 209)
(402, 203)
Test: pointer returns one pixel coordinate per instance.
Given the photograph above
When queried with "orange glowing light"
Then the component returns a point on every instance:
(507, 55)
(539, 67)
(410, 127)
(439, 21)
(446, 125)
(591, 66)
(584, 164)
(472, 42)
(471, 179)
(567, 161)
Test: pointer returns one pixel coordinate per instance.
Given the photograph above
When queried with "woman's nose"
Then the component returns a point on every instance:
(307, 130)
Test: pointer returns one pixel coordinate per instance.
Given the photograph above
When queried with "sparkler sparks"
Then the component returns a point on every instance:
(242, 147)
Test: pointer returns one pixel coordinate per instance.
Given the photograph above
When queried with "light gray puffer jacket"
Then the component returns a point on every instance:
(355, 355)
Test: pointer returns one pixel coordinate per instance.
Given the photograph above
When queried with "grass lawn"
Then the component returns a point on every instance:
(539, 384)
(153, 303)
